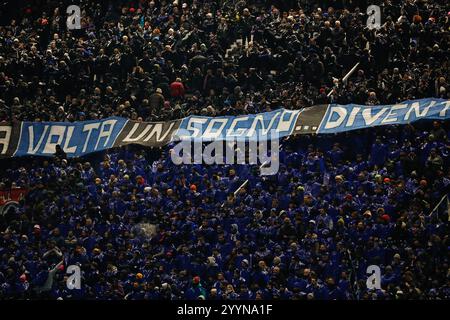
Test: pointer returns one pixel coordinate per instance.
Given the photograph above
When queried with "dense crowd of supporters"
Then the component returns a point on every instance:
(144, 229)
(140, 227)
(156, 60)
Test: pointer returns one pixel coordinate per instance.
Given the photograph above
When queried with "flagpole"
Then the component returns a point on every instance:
(444, 197)
(345, 78)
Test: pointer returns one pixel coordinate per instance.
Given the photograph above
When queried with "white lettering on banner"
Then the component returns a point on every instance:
(89, 127)
(285, 125)
(32, 149)
(388, 114)
(195, 124)
(69, 135)
(352, 117)
(157, 129)
(341, 112)
(81, 138)
(392, 113)
(55, 131)
(105, 133)
(369, 119)
(416, 108)
(5, 135)
(232, 132)
(210, 132)
(129, 138)
(259, 118)
(62, 133)
(444, 111)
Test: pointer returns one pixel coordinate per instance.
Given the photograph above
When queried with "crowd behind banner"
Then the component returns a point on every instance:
(84, 137)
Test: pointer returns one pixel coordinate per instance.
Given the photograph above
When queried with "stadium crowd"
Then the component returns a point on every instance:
(141, 227)
(157, 60)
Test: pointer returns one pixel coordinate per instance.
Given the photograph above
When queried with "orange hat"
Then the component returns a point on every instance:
(139, 276)
(193, 187)
(387, 180)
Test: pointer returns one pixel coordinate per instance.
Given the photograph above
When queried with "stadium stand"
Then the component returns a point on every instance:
(141, 227)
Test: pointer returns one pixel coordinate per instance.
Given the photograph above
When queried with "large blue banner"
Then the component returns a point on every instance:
(76, 138)
(339, 118)
(250, 126)
(80, 138)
